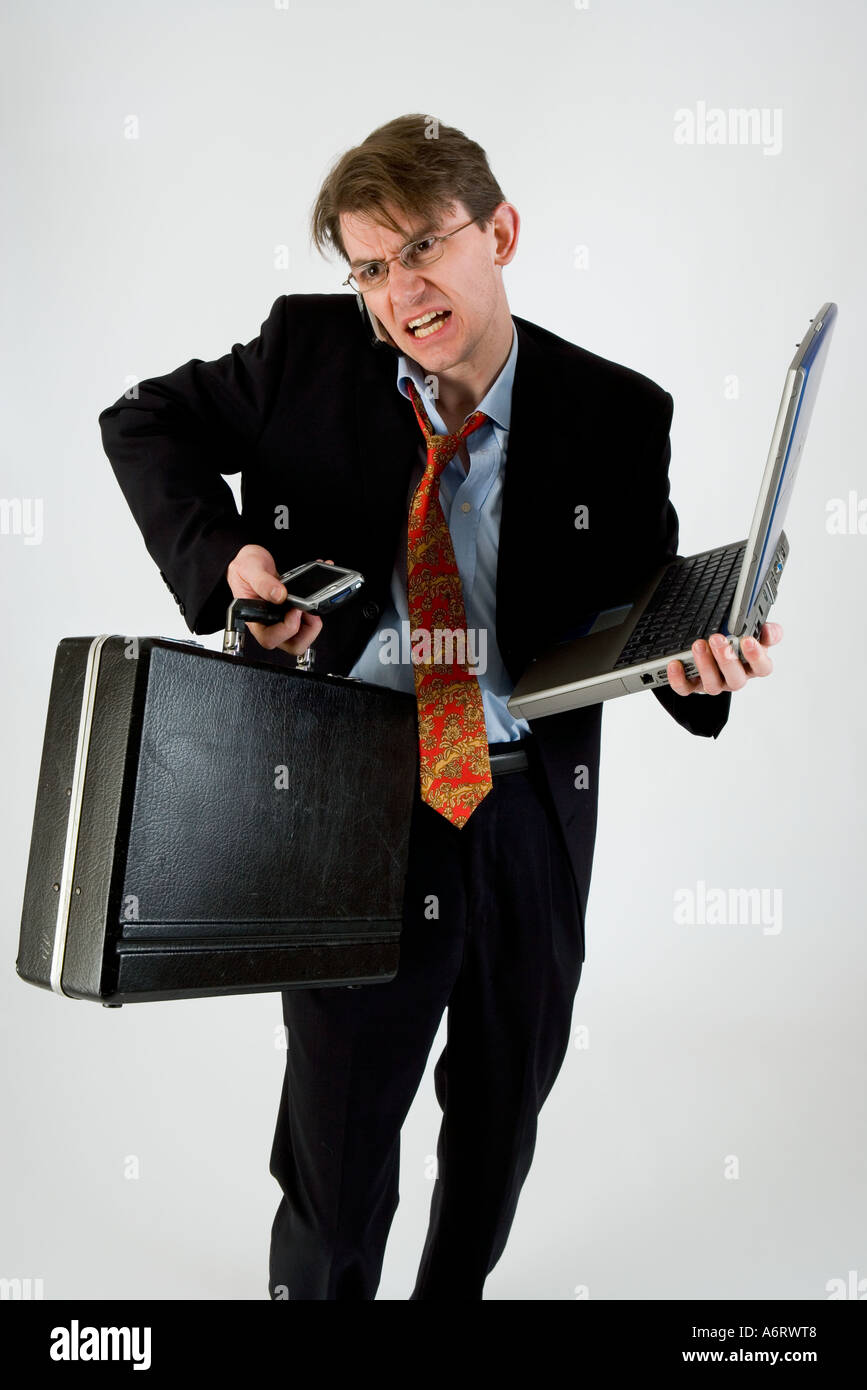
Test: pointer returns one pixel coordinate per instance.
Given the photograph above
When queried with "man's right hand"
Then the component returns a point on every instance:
(253, 574)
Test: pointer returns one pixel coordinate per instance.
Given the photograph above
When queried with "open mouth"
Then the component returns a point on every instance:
(427, 324)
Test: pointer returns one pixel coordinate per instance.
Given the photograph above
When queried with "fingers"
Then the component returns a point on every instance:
(253, 574)
(716, 664)
(771, 634)
(301, 629)
(720, 667)
(760, 663)
(294, 633)
(266, 583)
(272, 634)
(678, 681)
(307, 631)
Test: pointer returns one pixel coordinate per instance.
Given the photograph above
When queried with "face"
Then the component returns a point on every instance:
(464, 287)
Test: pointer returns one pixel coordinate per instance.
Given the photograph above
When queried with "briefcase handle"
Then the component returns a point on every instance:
(255, 610)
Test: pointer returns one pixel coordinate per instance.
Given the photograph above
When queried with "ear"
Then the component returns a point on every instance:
(507, 226)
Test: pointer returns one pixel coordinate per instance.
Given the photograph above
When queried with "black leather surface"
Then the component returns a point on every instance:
(161, 972)
(245, 826)
(214, 839)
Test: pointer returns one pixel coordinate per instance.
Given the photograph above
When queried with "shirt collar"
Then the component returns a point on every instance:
(497, 402)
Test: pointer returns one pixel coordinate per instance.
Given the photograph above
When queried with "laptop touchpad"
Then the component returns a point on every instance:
(591, 623)
(610, 617)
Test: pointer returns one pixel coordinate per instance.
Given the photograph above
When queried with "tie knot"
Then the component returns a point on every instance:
(442, 447)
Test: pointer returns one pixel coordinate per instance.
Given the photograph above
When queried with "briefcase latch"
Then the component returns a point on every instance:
(254, 610)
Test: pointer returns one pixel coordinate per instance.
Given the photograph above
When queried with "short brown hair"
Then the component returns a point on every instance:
(413, 163)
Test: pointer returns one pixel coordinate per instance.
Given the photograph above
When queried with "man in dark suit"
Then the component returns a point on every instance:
(319, 413)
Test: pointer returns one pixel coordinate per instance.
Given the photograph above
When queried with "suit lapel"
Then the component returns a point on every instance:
(530, 497)
(550, 569)
(388, 439)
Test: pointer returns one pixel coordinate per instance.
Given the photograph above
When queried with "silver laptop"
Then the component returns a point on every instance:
(624, 649)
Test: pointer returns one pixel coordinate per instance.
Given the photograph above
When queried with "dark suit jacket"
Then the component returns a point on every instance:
(310, 414)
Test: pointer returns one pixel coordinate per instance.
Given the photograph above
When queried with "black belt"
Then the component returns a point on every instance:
(508, 757)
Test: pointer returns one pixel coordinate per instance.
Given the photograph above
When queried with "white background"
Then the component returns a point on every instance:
(125, 258)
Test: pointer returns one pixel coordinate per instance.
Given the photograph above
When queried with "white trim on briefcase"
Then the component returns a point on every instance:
(88, 700)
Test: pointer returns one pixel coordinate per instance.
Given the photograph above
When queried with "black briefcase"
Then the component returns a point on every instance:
(210, 824)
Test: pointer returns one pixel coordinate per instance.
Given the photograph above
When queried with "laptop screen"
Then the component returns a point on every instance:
(787, 445)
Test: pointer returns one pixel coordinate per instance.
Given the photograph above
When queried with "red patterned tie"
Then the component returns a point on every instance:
(455, 769)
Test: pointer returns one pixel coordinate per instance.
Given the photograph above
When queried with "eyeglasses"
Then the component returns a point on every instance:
(416, 253)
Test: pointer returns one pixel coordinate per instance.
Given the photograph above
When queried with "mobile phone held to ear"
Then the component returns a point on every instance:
(319, 588)
(379, 333)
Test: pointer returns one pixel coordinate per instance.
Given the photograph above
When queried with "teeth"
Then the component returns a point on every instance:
(425, 318)
(417, 327)
(426, 332)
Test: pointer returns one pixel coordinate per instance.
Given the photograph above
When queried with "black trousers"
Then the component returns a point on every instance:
(491, 930)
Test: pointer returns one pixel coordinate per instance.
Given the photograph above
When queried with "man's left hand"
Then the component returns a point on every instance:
(719, 669)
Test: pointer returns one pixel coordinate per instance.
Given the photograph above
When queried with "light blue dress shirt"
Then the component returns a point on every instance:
(472, 504)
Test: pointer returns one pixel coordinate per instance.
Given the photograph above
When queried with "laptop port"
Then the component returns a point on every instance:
(647, 678)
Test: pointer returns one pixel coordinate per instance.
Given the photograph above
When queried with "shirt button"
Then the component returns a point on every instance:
(465, 507)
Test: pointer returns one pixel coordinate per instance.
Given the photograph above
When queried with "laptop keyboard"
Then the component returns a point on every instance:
(692, 600)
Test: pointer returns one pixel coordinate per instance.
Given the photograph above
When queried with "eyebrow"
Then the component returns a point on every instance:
(423, 232)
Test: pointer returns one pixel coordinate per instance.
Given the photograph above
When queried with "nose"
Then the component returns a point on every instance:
(406, 287)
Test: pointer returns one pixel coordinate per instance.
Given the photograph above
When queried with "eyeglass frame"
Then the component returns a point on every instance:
(399, 257)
